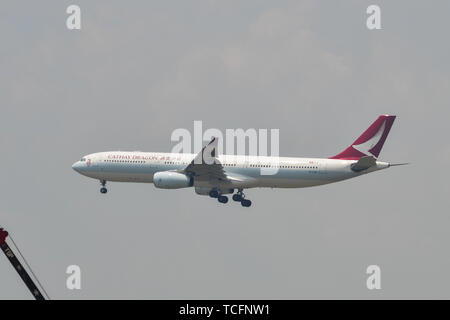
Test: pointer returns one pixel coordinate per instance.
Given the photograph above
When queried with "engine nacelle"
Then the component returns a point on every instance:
(171, 180)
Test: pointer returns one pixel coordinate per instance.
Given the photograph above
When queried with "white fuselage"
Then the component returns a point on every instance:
(248, 171)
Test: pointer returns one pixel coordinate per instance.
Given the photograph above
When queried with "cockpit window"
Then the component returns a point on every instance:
(83, 159)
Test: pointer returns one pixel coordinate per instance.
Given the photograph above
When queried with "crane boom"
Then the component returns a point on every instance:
(18, 266)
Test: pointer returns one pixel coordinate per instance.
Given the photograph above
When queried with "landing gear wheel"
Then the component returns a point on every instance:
(103, 188)
(214, 194)
(223, 199)
(246, 203)
(237, 197)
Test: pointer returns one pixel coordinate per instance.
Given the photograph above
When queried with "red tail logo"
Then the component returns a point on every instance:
(370, 142)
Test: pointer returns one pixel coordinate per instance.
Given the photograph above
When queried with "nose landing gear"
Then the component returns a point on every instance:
(103, 188)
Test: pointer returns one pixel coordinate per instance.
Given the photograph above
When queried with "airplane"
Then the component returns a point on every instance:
(227, 173)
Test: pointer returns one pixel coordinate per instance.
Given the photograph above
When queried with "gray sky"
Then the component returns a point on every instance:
(138, 70)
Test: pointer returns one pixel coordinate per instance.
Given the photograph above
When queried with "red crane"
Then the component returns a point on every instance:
(18, 266)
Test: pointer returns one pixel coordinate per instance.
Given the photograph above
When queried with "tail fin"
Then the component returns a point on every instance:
(370, 142)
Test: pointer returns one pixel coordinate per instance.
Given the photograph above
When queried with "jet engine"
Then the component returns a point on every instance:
(171, 180)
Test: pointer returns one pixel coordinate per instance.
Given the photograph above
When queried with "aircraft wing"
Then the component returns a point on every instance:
(205, 165)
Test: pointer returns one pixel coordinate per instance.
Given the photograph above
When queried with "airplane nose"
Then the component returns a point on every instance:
(76, 166)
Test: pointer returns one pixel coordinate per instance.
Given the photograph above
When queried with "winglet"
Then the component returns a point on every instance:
(212, 145)
(208, 154)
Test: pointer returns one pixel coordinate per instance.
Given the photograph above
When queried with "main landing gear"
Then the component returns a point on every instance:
(223, 199)
(238, 197)
(103, 188)
(216, 194)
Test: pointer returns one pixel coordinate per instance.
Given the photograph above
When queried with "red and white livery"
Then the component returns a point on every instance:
(231, 174)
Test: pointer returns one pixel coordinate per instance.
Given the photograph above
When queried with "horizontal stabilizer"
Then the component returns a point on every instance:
(363, 163)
